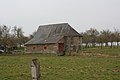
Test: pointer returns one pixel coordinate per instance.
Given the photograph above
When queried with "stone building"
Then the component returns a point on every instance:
(54, 38)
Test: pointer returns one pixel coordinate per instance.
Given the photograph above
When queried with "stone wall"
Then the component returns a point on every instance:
(73, 44)
(49, 48)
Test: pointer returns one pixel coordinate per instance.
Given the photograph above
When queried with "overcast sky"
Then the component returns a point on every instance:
(80, 14)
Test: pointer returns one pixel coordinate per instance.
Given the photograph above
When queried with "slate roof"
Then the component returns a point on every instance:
(52, 33)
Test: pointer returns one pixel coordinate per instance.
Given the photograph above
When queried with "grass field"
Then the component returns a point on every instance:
(17, 67)
(104, 50)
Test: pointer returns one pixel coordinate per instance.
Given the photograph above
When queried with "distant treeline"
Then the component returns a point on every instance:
(93, 37)
(11, 37)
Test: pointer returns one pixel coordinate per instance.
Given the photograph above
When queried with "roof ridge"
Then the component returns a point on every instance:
(54, 24)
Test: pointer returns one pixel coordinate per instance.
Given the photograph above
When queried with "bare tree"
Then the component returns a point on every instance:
(100, 40)
(18, 36)
(5, 35)
(117, 36)
(0, 34)
(112, 39)
(93, 33)
(10, 40)
(19, 32)
(105, 34)
(86, 39)
(14, 30)
(32, 35)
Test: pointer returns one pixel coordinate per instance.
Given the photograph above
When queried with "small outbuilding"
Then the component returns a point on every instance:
(54, 38)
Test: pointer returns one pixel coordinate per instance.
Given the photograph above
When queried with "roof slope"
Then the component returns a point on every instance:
(52, 33)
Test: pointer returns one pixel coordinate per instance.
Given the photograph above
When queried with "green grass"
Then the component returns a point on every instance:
(17, 67)
(104, 50)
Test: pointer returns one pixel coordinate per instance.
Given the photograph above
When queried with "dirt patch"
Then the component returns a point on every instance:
(116, 70)
(96, 55)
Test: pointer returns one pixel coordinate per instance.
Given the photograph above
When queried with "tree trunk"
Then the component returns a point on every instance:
(111, 44)
(93, 44)
(101, 45)
(117, 44)
(106, 44)
(86, 45)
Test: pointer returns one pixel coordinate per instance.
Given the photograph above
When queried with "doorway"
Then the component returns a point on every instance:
(61, 47)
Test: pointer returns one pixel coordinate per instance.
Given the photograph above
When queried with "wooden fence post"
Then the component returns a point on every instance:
(35, 69)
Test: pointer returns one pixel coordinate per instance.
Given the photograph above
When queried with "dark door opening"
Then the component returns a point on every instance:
(61, 47)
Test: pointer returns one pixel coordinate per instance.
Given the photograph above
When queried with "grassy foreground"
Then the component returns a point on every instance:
(17, 67)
